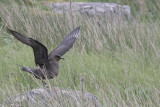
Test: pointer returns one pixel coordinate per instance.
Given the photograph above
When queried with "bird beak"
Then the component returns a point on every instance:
(62, 58)
(59, 57)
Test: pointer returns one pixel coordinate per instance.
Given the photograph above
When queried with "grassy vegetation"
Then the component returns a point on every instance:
(119, 60)
(145, 9)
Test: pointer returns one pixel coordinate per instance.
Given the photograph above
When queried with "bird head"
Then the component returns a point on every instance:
(58, 57)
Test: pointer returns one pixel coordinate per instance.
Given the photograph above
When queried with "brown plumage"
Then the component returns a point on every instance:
(49, 64)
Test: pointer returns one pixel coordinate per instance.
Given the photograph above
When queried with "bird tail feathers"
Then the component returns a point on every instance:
(24, 68)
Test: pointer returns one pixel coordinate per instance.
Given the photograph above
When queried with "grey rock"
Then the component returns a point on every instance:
(94, 9)
(53, 97)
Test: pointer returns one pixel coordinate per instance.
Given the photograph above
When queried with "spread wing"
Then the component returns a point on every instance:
(40, 51)
(66, 44)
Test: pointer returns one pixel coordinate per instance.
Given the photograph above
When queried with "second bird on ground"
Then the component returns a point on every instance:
(49, 64)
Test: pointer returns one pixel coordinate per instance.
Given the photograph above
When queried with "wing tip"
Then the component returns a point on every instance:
(10, 31)
(78, 28)
(77, 31)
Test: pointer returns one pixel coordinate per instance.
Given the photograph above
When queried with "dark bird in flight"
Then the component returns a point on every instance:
(49, 64)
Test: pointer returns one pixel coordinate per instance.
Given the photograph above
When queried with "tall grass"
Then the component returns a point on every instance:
(119, 60)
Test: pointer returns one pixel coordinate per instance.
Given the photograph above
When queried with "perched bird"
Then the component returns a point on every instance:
(49, 64)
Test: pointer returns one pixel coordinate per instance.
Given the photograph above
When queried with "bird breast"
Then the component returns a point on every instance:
(53, 70)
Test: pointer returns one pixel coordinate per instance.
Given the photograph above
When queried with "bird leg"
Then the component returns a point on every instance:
(45, 85)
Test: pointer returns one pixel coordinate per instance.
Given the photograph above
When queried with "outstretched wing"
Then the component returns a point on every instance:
(66, 44)
(40, 51)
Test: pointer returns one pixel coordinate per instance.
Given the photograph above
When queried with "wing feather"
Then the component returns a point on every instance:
(66, 44)
(40, 51)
